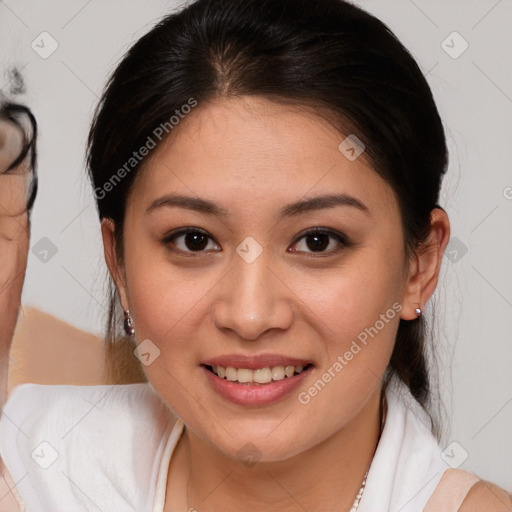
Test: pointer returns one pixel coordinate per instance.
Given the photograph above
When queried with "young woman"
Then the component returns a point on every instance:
(267, 177)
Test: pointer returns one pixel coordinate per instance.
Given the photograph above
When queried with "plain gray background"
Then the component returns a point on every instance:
(473, 91)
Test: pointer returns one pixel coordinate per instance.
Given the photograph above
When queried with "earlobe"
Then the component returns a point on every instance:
(114, 267)
(425, 266)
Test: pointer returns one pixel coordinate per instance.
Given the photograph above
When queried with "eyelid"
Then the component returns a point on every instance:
(183, 231)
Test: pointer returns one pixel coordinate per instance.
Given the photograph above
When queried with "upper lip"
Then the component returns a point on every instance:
(255, 361)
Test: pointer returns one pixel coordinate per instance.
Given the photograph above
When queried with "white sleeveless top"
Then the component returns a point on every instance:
(88, 448)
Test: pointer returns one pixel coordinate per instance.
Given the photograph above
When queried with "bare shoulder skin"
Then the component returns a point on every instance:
(487, 497)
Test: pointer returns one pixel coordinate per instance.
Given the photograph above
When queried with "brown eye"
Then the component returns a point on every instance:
(195, 241)
(318, 241)
(188, 241)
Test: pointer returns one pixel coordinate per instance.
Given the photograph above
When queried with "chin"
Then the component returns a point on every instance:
(258, 446)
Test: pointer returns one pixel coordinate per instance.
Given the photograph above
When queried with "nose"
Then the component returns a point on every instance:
(253, 300)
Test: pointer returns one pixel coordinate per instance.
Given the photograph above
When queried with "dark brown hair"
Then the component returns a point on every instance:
(328, 55)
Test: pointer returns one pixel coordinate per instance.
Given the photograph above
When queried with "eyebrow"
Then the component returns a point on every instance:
(291, 210)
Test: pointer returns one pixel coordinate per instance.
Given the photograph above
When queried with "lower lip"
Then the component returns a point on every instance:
(255, 394)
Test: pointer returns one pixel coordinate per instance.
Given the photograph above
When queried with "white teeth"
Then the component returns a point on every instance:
(245, 375)
(262, 375)
(278, 373)
(259, 376)
(231, 373)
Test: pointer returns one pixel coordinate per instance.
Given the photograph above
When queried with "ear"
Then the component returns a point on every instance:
(115, 267)
(425, 265)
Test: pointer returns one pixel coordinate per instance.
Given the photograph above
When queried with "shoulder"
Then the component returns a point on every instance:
(10, 500)
(462, 491)
(485, 496)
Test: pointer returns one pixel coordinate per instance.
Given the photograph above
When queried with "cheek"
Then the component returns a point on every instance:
(356, 318)
(166, 303)
(356, 311)
(352, 298)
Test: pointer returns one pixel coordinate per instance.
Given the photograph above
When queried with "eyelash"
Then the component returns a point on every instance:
(339, 237)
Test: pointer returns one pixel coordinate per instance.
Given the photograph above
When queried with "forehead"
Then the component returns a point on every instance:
(257, 152)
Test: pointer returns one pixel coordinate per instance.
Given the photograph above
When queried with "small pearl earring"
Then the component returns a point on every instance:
(418, 311)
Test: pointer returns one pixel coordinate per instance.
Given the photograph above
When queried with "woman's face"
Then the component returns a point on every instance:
(248, 288)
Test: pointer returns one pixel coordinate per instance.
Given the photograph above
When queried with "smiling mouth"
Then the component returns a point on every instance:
(260, 376)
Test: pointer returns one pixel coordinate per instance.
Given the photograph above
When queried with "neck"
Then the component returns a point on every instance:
(326, 477)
